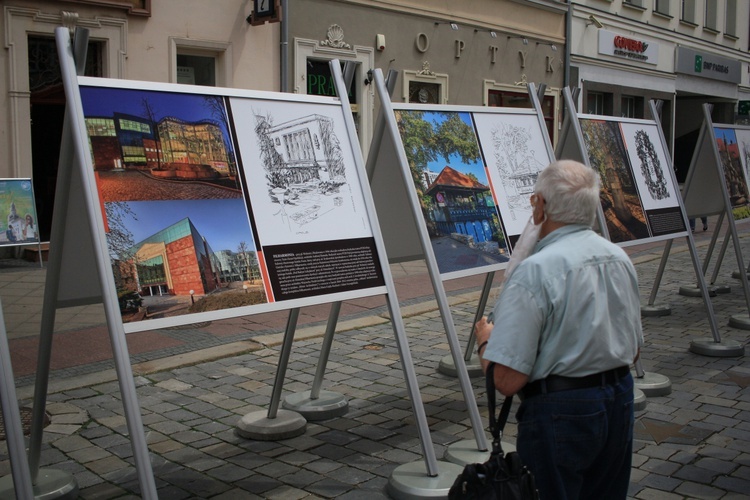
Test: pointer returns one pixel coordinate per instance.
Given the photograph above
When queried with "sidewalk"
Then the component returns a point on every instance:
(195, 383)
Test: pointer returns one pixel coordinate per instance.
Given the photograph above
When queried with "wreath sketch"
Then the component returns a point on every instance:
(653, 174)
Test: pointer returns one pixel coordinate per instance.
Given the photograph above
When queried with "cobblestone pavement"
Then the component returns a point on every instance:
(691, 443)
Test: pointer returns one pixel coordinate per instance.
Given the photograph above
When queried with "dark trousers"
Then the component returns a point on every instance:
(579, 443)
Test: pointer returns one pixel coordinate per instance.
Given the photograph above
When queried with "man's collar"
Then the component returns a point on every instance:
(559, 233)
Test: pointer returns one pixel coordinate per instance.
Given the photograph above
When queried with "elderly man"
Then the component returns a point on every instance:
(566, 329)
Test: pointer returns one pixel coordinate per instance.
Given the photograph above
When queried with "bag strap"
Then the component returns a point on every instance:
(496, 425)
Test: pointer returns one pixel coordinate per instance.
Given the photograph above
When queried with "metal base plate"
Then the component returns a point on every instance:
(722, 289)
(695, 291)
(50, 484)
(448, 367)
(258, 426)
(653, 311)
(466, 452)
(329, 404)
(725, 348)
(410, 481)
(639, 399)
(741, 321)
(736, 275)
(653, 384)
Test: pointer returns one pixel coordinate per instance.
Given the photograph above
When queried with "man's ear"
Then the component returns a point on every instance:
(538, 212)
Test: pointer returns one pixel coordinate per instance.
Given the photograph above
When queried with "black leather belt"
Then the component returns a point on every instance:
(557, 383)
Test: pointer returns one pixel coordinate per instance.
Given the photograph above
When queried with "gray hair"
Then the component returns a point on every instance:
(571, 192)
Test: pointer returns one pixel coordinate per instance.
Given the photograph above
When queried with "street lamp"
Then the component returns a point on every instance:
(192, 298)
(244, 287)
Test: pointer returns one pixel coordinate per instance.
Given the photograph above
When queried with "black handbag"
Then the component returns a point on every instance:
(502, 476)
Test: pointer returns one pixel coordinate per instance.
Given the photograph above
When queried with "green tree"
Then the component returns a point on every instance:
(426, 141)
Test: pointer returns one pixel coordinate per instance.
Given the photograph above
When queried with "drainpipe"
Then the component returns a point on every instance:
(284, 49)
(568, 28)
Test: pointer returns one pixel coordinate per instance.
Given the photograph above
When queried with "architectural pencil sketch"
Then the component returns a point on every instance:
(517, 166)
(651, 168)
(304, 168)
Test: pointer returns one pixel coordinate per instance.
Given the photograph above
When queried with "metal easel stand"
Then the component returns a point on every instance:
(18, 484)
(317, 404)
(473, 367)
(652, 310)
(276, 424)
(651, 384)
(713, 290)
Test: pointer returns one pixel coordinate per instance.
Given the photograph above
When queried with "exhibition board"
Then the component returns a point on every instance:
(167, 172)
(220, 202)
(639, 196)
(18, 223)
(472, 171)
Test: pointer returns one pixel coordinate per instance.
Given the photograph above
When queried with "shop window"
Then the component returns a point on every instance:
(687, 11)
(312, 75)
(196, 70)
(711, 20)
(425, 86)
(730, 18)
(631, 106)
(320, 82)
(662, 7)
(196, 62)
(510, 99)
(595, 103)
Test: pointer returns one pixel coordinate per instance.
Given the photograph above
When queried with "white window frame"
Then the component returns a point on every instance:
(221, 52)
(424, 76)
(711, 16)
(305, 49)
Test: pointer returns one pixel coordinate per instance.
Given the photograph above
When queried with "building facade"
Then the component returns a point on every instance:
(684, 53)
(171, 41)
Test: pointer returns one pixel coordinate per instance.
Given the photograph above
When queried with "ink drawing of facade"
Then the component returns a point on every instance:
(306, 179)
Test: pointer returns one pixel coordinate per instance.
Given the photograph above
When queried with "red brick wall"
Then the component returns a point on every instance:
(106, 151)
(183, 265)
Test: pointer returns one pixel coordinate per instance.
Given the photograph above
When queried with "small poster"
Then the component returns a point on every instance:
(213, 203)
(734, 148)
(638, 196)
(18, 223)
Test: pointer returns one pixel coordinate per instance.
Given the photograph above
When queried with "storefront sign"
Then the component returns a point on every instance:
(628, 47)
(706, 65)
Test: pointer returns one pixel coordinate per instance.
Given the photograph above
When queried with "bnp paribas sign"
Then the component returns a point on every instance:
(707, 65)
(628, 47)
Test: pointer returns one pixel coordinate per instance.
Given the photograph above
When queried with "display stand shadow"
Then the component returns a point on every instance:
(438, 215)
(289, 146)
(717, 183)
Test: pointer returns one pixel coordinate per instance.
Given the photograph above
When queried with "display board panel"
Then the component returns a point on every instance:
(638, 195)
(734, 147)
(18, 225)
(226, 204)
(473, 171)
